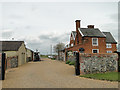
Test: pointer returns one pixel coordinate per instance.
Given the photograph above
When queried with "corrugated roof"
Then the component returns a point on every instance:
(91, 32)
(10, 45)
(109, 38)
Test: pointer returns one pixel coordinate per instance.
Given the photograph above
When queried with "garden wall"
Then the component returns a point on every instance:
(95, 63)
(12, 62)
(71, 56)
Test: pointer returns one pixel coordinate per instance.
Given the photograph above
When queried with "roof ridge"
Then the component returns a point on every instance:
(106, 32)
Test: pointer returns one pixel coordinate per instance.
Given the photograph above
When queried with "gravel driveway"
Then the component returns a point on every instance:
(50, 74)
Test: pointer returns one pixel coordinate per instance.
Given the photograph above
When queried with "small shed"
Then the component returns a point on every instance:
(15, 52)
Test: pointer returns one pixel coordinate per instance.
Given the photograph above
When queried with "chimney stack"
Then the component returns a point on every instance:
(77, 24)
(90, 26)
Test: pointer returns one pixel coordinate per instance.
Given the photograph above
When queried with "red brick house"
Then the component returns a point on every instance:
(91, 40)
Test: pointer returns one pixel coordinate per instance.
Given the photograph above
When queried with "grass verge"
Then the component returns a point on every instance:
(109, 76)
(44, 56)
(68, 61)
(72, 63)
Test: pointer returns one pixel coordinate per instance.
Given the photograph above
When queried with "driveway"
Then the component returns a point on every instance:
(50, 74)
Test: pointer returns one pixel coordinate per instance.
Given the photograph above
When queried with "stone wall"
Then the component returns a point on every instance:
(12, 62)
(96, 63)
(71, 56)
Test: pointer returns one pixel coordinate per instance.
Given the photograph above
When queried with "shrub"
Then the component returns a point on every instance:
(72, 63)
(53, 59)
(68, 61)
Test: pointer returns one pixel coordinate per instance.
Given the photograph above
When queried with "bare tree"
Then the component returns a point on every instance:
(58, 47)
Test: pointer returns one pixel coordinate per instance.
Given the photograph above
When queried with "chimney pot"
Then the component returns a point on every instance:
(90, 26)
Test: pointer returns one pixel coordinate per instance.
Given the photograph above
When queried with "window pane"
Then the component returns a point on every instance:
(108, 46)
(94, 41)
(95, 51)
(109, 51)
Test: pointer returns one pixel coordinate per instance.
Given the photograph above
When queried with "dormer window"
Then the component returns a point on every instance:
(95, 41)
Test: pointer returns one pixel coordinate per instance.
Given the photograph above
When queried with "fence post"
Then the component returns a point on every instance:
(77, 65)
(3, 66)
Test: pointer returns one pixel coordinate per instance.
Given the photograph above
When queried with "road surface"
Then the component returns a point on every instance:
(50, 74)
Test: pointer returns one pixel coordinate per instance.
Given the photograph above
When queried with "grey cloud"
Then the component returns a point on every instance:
(55, 38)
(112, 28)
(15, 16)
(45, 37)
(27, 27)
(114, 17)
(7, 34)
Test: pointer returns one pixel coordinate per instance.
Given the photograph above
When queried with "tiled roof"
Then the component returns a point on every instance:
(109, 38)
(91, 32)
(10, 45)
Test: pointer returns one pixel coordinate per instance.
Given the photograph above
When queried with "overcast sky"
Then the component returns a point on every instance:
(43, 24)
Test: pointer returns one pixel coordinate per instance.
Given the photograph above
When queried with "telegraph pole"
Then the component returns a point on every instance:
(51, 50)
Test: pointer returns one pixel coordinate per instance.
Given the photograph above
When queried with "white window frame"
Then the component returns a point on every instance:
(95, 49)
(109, 51)
(92, 42)
(108, 45)
(72, 45)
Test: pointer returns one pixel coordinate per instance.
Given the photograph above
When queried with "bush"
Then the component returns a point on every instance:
(68, 61)
(72, 63)
(53, 59)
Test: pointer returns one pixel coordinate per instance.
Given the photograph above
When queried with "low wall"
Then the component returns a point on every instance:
(95, 63)
(12, 62)
(71, 58)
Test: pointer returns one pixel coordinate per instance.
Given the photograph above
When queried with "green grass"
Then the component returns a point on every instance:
(68, 61)
(110, 76)
(72, 63)
(44, 56)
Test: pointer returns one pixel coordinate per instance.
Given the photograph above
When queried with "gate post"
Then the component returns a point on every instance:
(66, 55)
(3, 66)
(118, 60)
(77, 65)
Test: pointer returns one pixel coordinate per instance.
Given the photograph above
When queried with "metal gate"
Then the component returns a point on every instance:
(3, 66)
(77, 65)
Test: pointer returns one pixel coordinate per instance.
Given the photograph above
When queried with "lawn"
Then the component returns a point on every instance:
(44, 56)
(70, 62)
(110, 76)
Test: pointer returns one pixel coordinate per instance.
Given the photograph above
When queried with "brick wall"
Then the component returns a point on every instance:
(87, 45)
(114, 48)
(96, 63)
